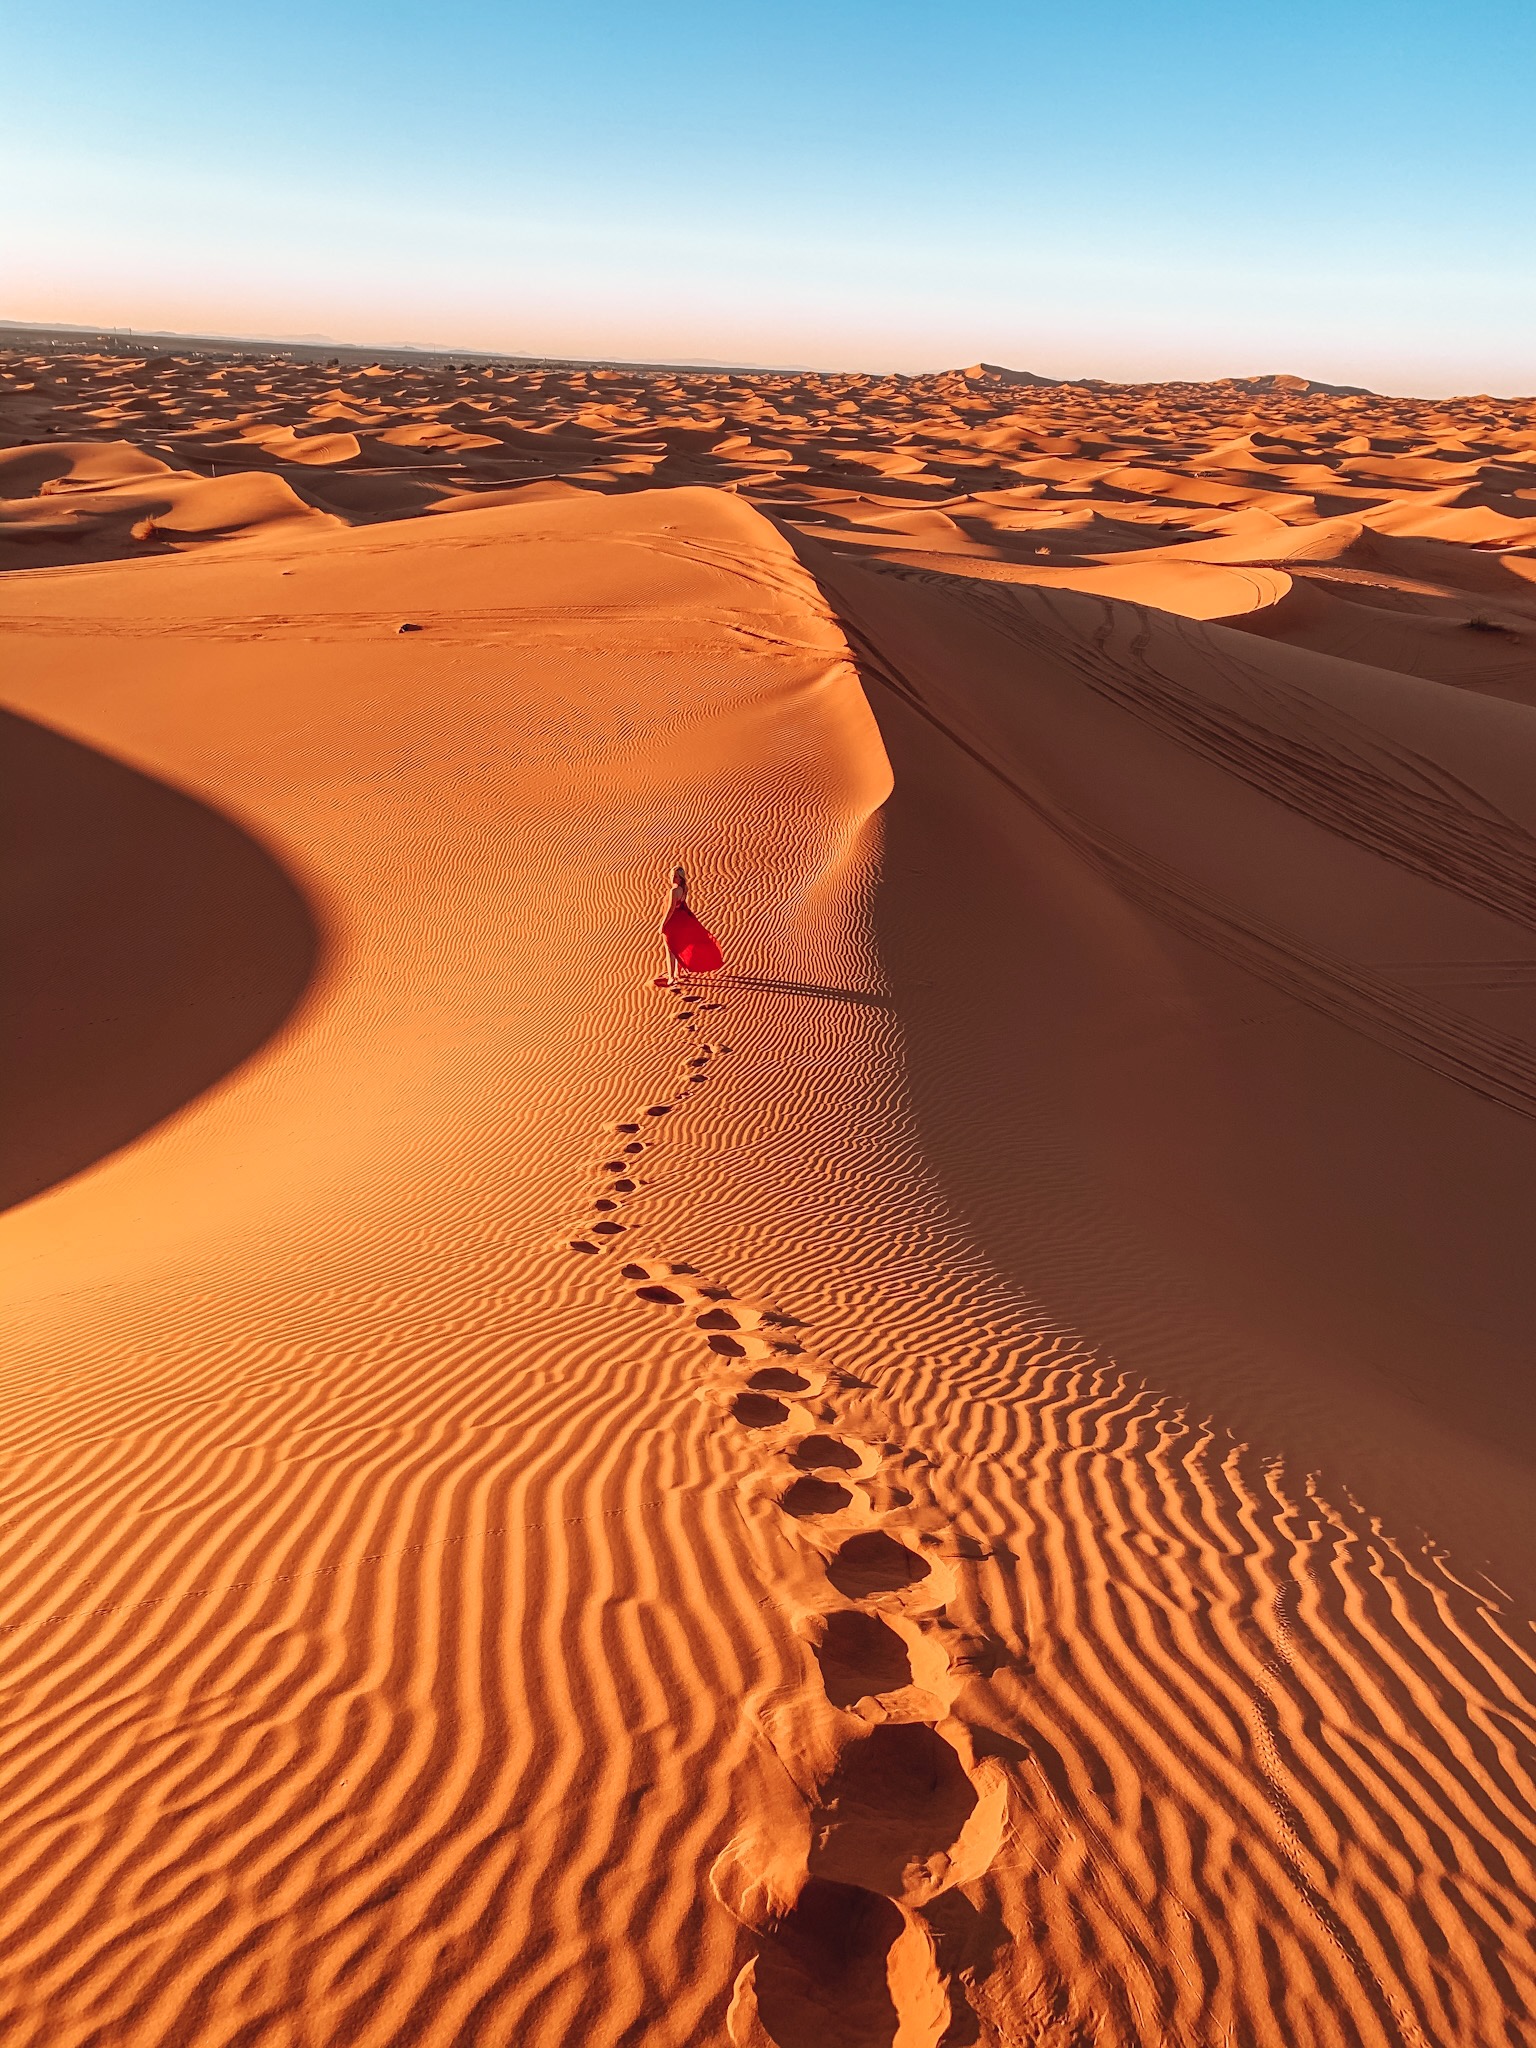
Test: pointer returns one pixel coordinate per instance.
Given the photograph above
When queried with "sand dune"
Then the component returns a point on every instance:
(1483, 652)
(966, 1482)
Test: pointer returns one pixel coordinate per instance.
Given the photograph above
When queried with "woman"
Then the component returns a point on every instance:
(690, 949)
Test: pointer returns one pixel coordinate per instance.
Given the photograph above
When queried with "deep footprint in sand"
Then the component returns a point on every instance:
(810, 1496)
(774, 1379)
(671, 1285)
(817, 1453)
(668, 1285)
(724, 1345)
(759, 1411)
(742, 1315)
(834, 1952)
(658, 1269)
(861, 1657)
(892, 1812)
(873, 1562)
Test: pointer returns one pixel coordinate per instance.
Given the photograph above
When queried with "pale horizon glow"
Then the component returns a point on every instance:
(1160, 191)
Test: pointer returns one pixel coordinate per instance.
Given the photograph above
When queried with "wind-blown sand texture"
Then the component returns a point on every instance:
(968, 1481)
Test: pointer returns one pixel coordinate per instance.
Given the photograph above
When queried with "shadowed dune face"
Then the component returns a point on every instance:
(1304, 892)
(150, 947)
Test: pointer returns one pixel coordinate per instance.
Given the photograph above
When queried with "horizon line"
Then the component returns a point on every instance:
(1268, 381)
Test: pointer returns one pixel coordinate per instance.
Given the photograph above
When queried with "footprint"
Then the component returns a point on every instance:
(658, 1109)
(671, 1285)
(624, 1186)
(873, 1562)
(758, 1411)
(612, 1166)
(752, 1347)
(812, 1496)
(891, 1813)
(741, 1315)
(843, 1951)
(607, 1229)
(657, 1269)
(815, 1453)
(861, 1657)
(603, 1202)
(580, 1244)
(626, 1130)
(774, 1379)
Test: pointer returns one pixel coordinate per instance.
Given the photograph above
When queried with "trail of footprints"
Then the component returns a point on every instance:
(854, 1890)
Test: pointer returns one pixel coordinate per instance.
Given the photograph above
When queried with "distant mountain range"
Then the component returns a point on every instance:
(986, 374)
(1274, 380)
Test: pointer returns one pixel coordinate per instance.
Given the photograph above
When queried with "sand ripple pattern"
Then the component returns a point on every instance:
(1105, 1727)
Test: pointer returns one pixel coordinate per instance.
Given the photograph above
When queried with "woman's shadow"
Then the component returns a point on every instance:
(150, 946)
(871, 998)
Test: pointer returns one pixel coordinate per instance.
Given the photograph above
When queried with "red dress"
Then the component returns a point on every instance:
(691, 945)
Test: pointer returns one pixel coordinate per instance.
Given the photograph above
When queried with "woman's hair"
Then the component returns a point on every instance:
(679, 879)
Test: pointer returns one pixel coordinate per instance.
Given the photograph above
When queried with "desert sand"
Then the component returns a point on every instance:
(967, 1480)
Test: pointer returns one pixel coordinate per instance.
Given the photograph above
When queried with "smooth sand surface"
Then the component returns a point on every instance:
(967, 1480)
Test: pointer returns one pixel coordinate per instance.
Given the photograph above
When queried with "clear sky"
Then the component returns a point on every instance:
(1116, 188)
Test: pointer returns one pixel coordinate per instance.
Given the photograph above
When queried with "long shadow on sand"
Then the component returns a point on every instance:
(819, 991)
(150, 946)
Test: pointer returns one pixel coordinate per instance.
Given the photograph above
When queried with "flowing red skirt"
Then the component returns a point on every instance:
(690, 943)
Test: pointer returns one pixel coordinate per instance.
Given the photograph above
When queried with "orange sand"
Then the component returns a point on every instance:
(969, 1482)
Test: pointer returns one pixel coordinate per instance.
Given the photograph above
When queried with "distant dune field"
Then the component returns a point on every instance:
(966, 1480)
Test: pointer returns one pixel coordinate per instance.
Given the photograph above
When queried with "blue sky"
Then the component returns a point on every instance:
(1133, 188)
